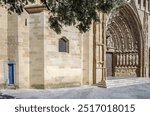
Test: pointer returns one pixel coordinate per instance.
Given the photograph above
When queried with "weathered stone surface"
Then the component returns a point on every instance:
(27, 42)
(3, 43)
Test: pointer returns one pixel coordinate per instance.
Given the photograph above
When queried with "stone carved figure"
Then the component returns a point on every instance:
(109, 41)
(131, 60)
(118, 59)
(136, 45)
(124, 59)
(137, 59)
(133, 57)
(127, 59)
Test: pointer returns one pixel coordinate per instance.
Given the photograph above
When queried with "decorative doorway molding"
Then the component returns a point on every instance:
(124, 37)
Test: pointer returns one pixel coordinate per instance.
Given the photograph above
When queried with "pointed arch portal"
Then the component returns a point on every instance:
(124, 41)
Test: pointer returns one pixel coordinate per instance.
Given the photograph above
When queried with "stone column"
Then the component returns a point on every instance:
(91, 55)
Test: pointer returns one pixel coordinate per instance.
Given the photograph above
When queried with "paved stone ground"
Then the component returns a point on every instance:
(85, 92)
(6, 96)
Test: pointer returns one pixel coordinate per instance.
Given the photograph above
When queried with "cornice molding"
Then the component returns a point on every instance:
(35, 9)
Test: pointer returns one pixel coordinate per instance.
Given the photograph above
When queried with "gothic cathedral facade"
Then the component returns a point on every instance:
(33, 56)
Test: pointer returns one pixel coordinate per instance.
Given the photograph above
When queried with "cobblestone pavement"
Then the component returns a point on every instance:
(84, 92)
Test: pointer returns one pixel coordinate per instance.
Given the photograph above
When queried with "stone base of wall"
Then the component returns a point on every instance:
(37, 86)
(62, 85)
(2, 86)
(53, 86)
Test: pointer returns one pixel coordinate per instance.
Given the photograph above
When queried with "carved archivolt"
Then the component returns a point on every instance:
(122, 37)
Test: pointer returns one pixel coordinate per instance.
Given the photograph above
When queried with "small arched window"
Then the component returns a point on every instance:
(63, 45)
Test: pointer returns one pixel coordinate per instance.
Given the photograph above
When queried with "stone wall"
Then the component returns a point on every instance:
(36, 37)
(28, 42)
(13, 45)
(62, 68)
(23, 50)
(3, 45)
(85, 58)
(144, 11)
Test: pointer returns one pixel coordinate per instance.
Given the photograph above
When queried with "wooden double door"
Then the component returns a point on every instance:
(109, 64)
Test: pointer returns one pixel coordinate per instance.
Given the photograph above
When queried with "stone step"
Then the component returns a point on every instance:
(11, 87)
(126, 82)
